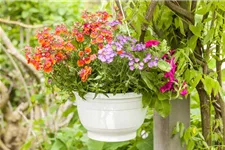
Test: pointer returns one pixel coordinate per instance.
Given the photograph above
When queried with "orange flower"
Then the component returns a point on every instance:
(87, 50)
(80, 63)
(69, 47)
(100, 46)
(80, 37)
(119, 52)
(59, 56)
(93, 42)
(94, 34)
(84, 73)
(81, 53)
(93, 57)
(37, 57)
(48, 65)
(87, 60)
(99, 39)
(35, 64)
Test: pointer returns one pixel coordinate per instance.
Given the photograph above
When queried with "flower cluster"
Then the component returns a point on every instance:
(121, 45)
(171, 84)
(84, 39)
(53, 48)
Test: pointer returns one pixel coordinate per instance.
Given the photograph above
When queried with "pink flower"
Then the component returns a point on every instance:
(165, 56)
(184, 92)
(171, 73)
(168, 86)
(151, 43)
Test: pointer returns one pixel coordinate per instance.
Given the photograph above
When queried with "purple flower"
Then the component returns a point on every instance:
(147, 58)
(135, 63)
(138, 47)
(114, 23)
(106, 54)
(141, 66)
(153, 63)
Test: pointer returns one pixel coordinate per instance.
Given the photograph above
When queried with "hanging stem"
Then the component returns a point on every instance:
(121, 8)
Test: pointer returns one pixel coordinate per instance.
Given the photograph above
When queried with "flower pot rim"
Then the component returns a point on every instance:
(116, 96)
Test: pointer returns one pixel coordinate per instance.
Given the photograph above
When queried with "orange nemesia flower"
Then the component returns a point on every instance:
(100, 39)
(119, 52)
(80, 63)
(80, 37)
(87, 50)
(48, 65)
(59, 56)
(69, 47)
(87, 60)
(85, 72)
(81, 53)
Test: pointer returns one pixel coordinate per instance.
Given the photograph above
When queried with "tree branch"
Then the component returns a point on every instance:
(13, 51)
(193, 5)
(148, 17)
(20, 24)
(180, 11)
(4, 95)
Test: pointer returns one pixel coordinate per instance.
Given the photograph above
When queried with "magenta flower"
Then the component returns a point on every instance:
(165, 56)
(167, 87)
(151, 43)
(184, 92)
(171, 73)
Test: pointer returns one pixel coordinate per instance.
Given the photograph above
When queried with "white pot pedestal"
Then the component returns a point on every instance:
(163, 127)
(112, 119)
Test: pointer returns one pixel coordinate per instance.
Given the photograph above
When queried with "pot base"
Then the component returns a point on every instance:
(111, 137)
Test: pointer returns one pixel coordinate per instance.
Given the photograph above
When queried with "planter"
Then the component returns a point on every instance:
(113, 118)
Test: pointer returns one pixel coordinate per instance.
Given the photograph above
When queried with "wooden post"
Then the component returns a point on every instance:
(163, 127)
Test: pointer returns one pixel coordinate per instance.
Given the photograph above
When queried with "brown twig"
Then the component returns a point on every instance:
(13, 51)
(20, 74)
(193, 5)
(180, 11)
(148, 17)
(121, 10)
(20, 24)
(4, 96)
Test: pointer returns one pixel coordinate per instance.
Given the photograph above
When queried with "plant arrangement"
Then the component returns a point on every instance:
(94, 56)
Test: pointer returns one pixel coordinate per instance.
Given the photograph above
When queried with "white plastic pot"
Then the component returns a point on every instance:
(112, 119)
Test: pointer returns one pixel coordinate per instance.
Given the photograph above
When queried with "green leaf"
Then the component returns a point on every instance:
(145, 144)
(163, 65)
(192, 42)
(148, 99)
(190, 145)
(209, 36)
(95, 145)
(25, 14)
(146, 76)
(163, 107)
(223, 74)
(196, 30)
(203, 10)
(181, 26)
(27, 145)
(69, 110)
(115, 145)
(59, 145)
